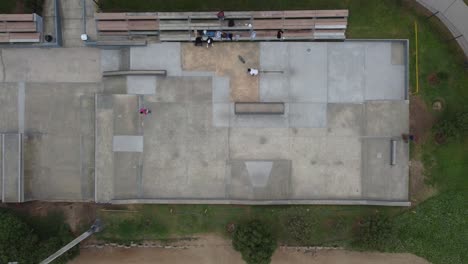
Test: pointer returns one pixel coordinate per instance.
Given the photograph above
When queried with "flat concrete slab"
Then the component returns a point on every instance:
(307, 115)
(346, 72)
(141, 84)
(161, 56)
(71, 65)
(127, 144)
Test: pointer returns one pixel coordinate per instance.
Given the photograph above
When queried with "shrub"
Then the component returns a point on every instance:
(32, 239)
(17, 240)
(447, 128)
(255, 242)
(373, 232)
(462, 122)
(300, 228)
(443, 76)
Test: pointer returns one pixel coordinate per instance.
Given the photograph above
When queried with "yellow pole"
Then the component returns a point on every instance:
(417, 61)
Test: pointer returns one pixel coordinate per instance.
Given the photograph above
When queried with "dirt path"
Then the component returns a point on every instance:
(212, 249)
(224, 60)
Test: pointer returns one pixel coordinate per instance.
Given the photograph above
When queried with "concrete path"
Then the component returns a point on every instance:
(454, 14)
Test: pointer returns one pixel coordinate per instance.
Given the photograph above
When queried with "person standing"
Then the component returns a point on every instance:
(252, 71)
(209, 42)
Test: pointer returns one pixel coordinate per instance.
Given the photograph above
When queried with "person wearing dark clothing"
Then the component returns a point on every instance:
(198, 41)
(279, 35)
(230, 36)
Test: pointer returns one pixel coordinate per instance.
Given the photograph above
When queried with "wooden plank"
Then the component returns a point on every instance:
(204, 15)
(110, 16)
(299, 13)
(25, 37)
(112, 25)
(20, 27)
(142, 16)
(4, 38)
(113, 33)
(143, 25)
(238, 15)
(330, 25)
(17, 17)
(174, 25)
(305, 34)
(174, 15)
(329, 34)
(298, 23)
(332, 13)
(174, 36)
(267, 33)
(268, 24)
(268, 14)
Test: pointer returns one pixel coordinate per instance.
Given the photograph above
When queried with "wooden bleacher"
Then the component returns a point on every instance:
(20, 28)
(183, 26)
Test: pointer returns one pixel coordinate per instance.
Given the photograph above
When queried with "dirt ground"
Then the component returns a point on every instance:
(79, 216)
(223, 59)
(212, 249)
(421, 121)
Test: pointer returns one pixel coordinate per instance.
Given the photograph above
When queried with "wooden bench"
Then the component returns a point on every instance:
(20, 28)
(131, 23)
(178, 26)
(259, 108)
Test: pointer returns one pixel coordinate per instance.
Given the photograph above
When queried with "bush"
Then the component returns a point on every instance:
(17, 240)
(32, 239)
(452, 126)
(373, 232)
(446, 128)
(255, 242)
(462, 122)
(300, 229)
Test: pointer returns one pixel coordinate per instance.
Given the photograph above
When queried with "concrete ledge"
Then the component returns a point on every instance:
(259, 108)
(134, 72)
(262, 202)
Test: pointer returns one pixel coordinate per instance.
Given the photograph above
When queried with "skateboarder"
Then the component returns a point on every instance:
(144, 111)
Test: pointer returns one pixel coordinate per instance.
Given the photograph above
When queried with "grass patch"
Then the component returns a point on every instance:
(325, 224)
(436, 229)
(21, 6)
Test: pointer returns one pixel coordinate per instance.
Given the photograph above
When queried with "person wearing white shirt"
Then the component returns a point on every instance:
(252, 71)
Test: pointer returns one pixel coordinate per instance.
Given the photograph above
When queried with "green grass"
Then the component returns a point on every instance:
(7, 6)
(331, 224)
(21, 6)
(436, 230)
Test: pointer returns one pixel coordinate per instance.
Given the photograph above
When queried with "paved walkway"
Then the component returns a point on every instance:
(454, 14)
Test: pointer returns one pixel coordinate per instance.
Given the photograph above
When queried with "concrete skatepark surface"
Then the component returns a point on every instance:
(86, 141)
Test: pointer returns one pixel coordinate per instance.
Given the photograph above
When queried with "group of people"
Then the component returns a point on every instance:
(211, 35)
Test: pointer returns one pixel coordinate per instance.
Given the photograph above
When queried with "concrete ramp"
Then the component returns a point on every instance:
(259, 179)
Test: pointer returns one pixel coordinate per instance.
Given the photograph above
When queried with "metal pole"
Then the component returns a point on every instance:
(96, 227)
